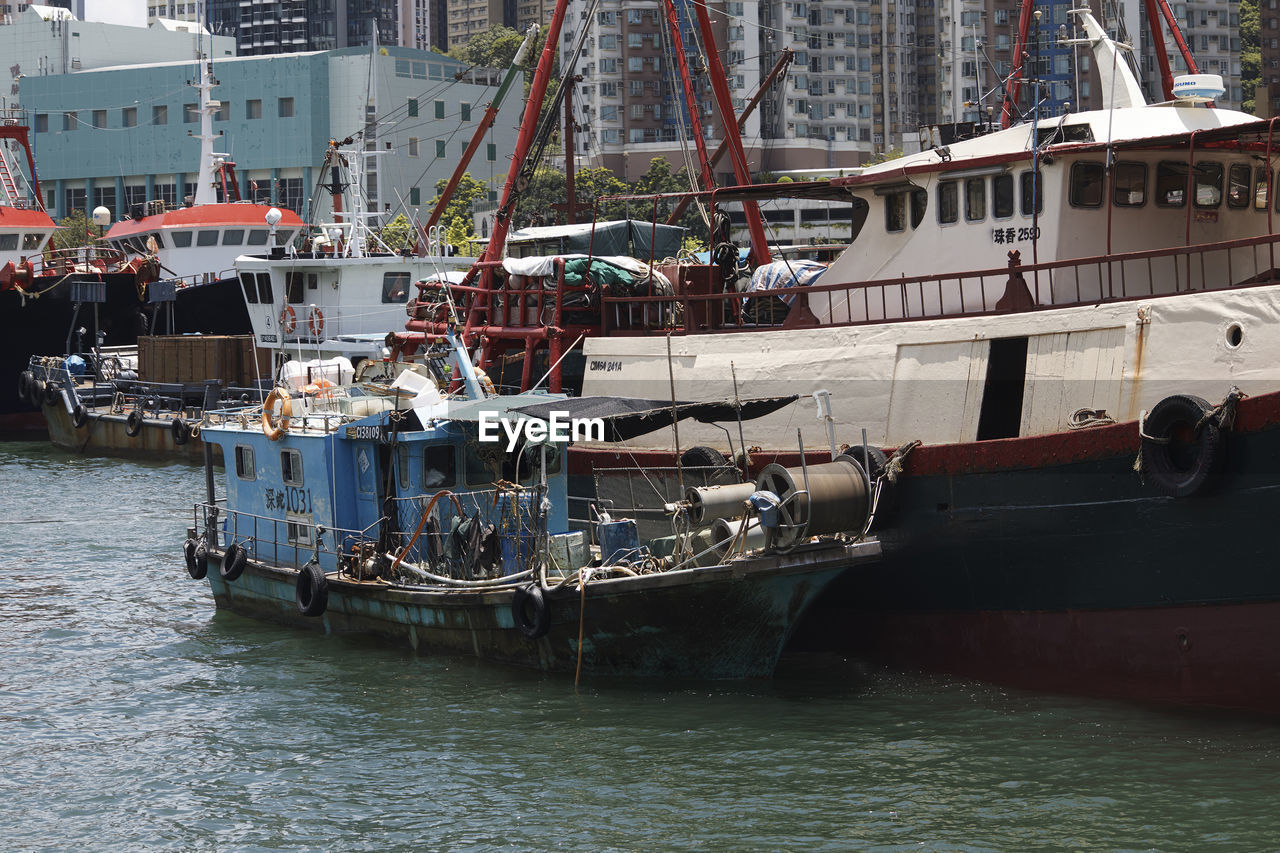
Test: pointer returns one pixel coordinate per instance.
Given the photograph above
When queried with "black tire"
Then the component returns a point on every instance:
(1180, 468)
(233, 562)
(24, 382)
(702, 457)
(181, 431)
(312, 591)
(79, 416)
(197, 559)
(35, 393)
(52, 393)
(133, 423)
(529, 610)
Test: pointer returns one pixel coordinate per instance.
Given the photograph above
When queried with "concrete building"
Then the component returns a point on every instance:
(464, 19)
(40, 41)
(119, 136)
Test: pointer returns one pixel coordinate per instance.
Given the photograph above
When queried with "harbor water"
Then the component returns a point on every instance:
(136, 718)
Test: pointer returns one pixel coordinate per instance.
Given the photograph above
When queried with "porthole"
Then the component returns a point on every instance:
(1235, 336)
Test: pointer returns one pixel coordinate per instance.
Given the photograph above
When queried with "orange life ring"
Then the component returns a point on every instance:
(274, 428)
(288, 319)
(315, 322)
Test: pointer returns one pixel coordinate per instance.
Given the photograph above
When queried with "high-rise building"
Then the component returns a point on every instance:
(288, 26)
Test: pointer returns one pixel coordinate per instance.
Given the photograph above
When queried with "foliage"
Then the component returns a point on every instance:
(886, 156)
(397, 233)
(493, 48)
(457, 220)
(74, 231)
(1250, 54)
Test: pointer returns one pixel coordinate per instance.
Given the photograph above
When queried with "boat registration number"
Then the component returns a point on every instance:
(366, 432)
(1004, 236)
(602, 366)
(290, 499)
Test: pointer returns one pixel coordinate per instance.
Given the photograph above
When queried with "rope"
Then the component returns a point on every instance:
(893, 467)
(1225, 412)
(1085, 418)
(584, 576)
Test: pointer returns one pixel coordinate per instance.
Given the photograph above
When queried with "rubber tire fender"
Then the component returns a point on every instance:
(133, 423)
(181, 431)
(233, 562)
(197, 558)
(312, 591)
(24, 382)
(702, 457)
(79, 416)
(1158, 462)
(529, 611)
(52, 393)
(35, 393)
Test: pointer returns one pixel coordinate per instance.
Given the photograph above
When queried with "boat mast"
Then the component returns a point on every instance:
(204, 84)
(1010, 105)
(729, 125)
(486, 122)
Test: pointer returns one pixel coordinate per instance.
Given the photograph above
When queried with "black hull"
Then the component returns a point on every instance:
(1048, 563)
(40, 327)
(728, 622)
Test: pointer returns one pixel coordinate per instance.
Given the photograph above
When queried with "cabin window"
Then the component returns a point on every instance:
(8, 242)
(258, 237)
(895, 212)
(244, 462)
(1208, 184)
(439, 467)
(291, 467)
(948, 202)
(975, 199)
(293, 284)
(233, 237)
(395, 287)
(1238, 185)
(313, 281)
(207, 238)
(181, 239)
(919, 205)
(1130, 185)
(403, 472)
(265, 294)
(249, 282)
(1086, 184)
(1032, 186)
(31, 242)
(478, 471)
(299, 529)
(1171, 184)
(1002, 196)
(159, 239)
(1261, 188)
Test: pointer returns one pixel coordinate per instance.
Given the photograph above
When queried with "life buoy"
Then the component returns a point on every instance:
(197, 557)
(79, 416)
(315, 322)
(133, 423)
(312, 594)
(272, 427)
(1180, 467)
(529, 611)
(288, 319)
(233, 561)
(181, 431)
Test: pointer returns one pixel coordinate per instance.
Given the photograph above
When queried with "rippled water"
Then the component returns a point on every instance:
(134, 718)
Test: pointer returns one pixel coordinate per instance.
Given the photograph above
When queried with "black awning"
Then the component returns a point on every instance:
(628, 417)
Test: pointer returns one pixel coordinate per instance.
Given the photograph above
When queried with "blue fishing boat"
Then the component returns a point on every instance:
(390, 509)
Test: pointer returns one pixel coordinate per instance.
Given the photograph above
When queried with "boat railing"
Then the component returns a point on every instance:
(485, 534)
(78, 259)
(1017, 287)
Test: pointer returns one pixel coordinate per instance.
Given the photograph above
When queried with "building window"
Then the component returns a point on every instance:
(99, 118)
(492, 152)
(42, 122)
(286, 108)
(466, 112)
(413, 146)
(413, 107)
(190, 114)
(70, 120)
(224, 111)
(129, 117)
(253, 108)
(440, 144)
(415, 196)
(439, 109)
(160, 115)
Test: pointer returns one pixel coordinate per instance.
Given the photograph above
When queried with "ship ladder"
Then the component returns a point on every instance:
(7, 182)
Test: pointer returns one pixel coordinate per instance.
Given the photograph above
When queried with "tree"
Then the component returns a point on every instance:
(457, 217)
(1250, 54)
(398, 233)
(493, 48)
(74, 231)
